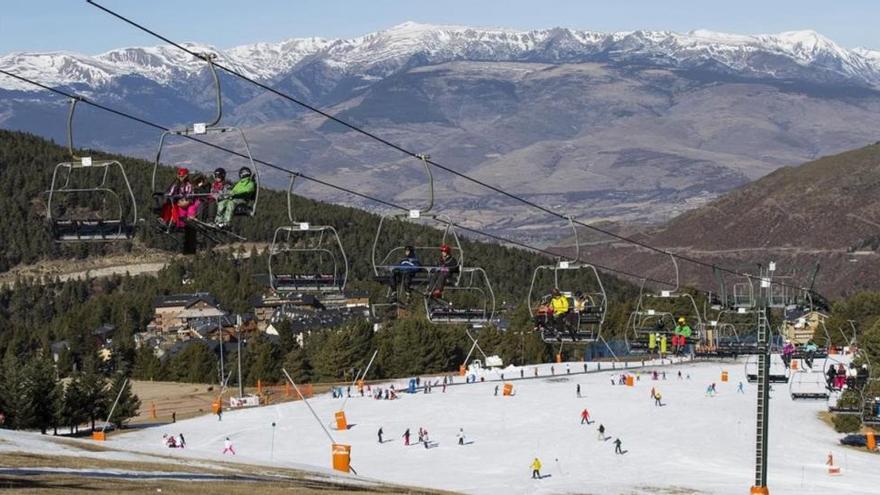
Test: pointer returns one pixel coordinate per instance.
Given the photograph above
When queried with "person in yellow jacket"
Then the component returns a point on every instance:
(559, 303)
(536, 469)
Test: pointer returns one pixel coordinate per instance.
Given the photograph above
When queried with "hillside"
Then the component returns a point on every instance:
(823, 211)
(637, 126)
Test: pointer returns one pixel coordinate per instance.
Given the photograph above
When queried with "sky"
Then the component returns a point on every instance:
(74, 25)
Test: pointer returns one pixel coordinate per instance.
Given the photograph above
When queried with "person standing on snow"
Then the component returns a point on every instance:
(602, 432)
(182, 441)
(406, 437)
(460, 436)
(585, 416)
(579, 390)
(227, 446)
(657, 398)
(536, 469)
(380, 434)
(740, 389)
(617, 449)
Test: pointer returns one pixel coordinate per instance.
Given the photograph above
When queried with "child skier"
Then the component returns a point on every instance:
(227, 446)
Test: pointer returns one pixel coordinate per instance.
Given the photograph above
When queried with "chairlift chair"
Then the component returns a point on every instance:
(579, 325)
(805, 385)
(315, 241)
(474, 286)
(249, 208)
(639, 329)
(778, 373)
(73, 219)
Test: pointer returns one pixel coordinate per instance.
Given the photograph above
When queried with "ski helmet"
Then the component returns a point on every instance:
(220, 173)
(244, 172)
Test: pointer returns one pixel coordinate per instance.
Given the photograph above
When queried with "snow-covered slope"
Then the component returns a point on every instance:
(694, 444)
(799, 54)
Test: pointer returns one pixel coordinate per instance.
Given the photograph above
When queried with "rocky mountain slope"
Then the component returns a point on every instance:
(823, 211)
(635, 126)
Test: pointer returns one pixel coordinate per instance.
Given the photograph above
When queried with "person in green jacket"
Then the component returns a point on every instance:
(242, 192)
(681, 334)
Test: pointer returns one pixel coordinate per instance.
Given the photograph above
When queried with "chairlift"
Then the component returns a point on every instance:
(778, 373)
(89, 200)
(470, 298)
(248, 208)
(732, 333)
(313, 241)
(584, 321)
(650, 321)
(806, 385)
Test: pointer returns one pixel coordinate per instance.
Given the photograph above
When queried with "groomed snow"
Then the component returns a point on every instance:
(693, 443)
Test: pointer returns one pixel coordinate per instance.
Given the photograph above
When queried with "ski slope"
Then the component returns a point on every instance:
(693, 444)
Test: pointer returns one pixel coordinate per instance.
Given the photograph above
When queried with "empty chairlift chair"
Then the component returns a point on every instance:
(89, 200)
(306, 258)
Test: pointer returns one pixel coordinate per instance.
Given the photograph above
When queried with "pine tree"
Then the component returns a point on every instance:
(146, 365)
(94, 392)
(266, 364)
(39, 376)
(128, 404)
(16, 401)
(297, 365)
(73, 409)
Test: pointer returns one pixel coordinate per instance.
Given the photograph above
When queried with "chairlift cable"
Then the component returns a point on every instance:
(427, 160)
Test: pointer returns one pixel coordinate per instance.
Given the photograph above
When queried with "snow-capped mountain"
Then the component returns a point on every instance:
(799, 54)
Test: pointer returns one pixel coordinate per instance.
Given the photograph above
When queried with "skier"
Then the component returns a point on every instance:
(585, 417)
(220, 414)
(421, 435)
(567, 370)
(182, 441)
(380, 434)
(617, 449)
(496, 390)
(664, 375)
(406, 437)
(579, 390)
(536, 469)
(460, 436)
(655, 375)
(657, 398)
(679, 374)
(653, 393)
(740, 389)
(602, 432)
(710, 390)
(521, 373)
(174, 416)
(425, 438)
(227, 446)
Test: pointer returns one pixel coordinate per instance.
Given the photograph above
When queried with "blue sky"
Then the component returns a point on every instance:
(44, 25)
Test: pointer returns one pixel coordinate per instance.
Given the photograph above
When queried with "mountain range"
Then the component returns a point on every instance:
(633, 126)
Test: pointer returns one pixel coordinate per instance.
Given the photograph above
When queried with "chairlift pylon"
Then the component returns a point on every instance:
(78, 221)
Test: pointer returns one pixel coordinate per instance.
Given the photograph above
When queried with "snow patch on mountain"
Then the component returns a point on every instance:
(383, 53)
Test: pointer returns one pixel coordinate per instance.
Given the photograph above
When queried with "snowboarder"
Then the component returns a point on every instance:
(406, 437)
(617, 449)
(460, 436)
(380, 434)
(536, 469)
(740, 389)
(585, 417)
(657, 398)
(602, 432)
(579, 390)
(227, 446)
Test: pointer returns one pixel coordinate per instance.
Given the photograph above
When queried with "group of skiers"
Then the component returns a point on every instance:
(560, 312)
(172, 442)
(188, 198)
(403, 273)
(423, 437)
(840, 377)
